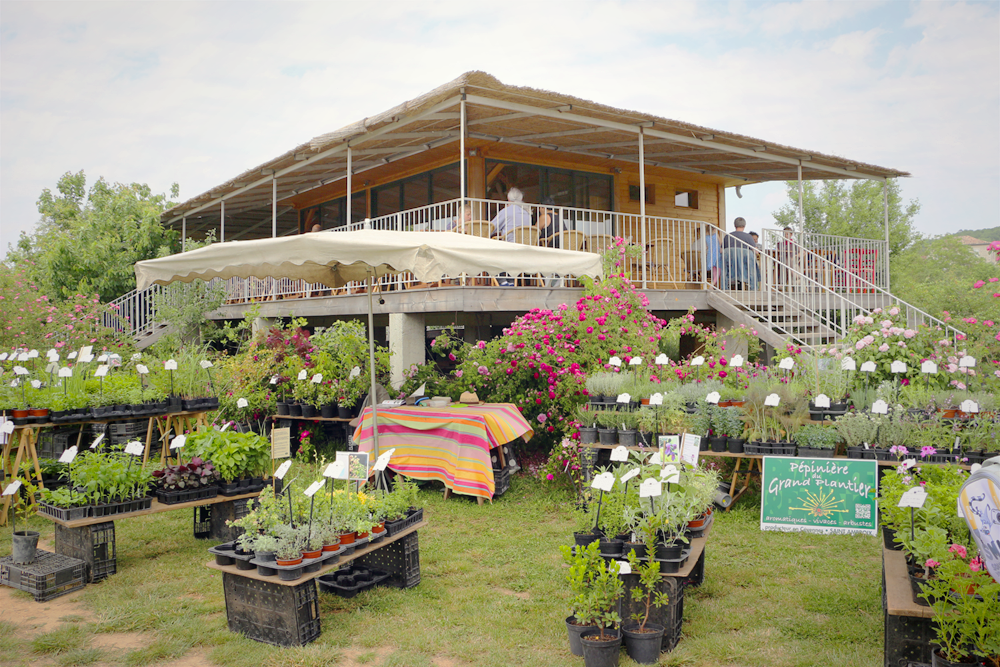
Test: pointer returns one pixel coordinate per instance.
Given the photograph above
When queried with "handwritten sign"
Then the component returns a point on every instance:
(281, 443)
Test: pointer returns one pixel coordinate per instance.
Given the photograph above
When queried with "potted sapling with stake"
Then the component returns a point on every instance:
(643, 638)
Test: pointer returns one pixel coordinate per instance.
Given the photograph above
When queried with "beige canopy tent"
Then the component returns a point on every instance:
(337, 258)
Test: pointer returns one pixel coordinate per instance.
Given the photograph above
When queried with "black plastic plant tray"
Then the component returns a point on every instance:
(328, 582)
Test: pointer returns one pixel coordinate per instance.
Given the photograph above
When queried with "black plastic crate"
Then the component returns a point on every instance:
(670, 616)
(53, 442)
(94, 545)
(131, 428)
(50, 576)
(231, 510)
(501, 482)
(401, 559)
(906, 639)
(697, 576)
(202, 528)
(271, 613)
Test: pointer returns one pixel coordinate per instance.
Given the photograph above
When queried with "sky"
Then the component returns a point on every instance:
(198, 92)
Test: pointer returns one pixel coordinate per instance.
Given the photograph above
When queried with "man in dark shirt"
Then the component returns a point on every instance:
(739, 237)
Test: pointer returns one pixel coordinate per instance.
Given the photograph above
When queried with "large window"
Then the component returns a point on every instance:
(332, 214)
(428, 188)
(577, 189)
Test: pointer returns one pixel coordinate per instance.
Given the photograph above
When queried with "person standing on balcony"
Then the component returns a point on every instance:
(515, 214)
(787, 256)
(549, 225)
(738, 238)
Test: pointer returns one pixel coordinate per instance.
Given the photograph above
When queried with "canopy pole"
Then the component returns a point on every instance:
(350, 200)
(461, 159)
(184, 232)
(802, 219)
(222, 223)
(885, 210)
(274, 206)
(371, 360)
(642, 202)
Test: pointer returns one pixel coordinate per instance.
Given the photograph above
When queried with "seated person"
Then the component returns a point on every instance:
(738, 238)
(549, 225)
(512, 216)
(458, 224)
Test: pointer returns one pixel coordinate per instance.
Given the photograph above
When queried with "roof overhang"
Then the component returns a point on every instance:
(522, 116)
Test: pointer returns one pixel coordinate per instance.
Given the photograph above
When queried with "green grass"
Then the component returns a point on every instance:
(492, 593)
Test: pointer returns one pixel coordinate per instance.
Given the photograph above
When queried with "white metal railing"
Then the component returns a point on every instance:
(864, 258)
(132, 314)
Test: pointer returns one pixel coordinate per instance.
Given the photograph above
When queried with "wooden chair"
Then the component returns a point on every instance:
(666, 265)
(525, 236)
(598, 243)
(568, 240)
(481, 228)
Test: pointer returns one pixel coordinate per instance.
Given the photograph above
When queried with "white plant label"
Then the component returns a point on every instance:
(242, 403)
(101, 371)
(178, 442)
(713, 397)
(101, 359)
(170, 365)
(787, 364)
(72, 355)
(967, 362)
(624, 398)
(662, 360)
(623, 567)
(670, 474)
(615, 361)
(135, 448)
(690, 447)
(137, 356)
(619, 453)
(316, 379)
(629, 475)
(303, 374)
(206, 364)
(274, 379)
(928, 367)
(313, 488)
(868, 367)
(880, 407)
(7, 427)
(35, 384)
(603, 482)
(898, 367)
(355, 372)
(655, 459)
(772, 400)
(224, 427)
(635, 361)
(51, 367)
(736, 361)
(333, 470)
(20, 370)
(97, 441)
(12, 488)
(848, 364)
(23, 356)
(68, 455)
(32, 354)
(52, 355)
(65, 372)
(656, 399)
(383, 460)
(969, 405)
(914, 498)
(141, 370)
(906, 464)
(822, 401)
(650, 488)
(3, 356)
(698, 361)
(15, 383)
(282, 469)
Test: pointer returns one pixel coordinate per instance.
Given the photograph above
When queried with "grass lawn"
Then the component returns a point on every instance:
(492, 593)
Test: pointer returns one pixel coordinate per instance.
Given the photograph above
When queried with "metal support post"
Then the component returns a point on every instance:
(222, 223)
(350, 200)
(461, 161)
(642, 203)
(274, 206)
(184, 233)
(885, 209)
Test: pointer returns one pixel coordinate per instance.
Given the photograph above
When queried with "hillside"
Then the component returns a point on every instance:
(989, 234)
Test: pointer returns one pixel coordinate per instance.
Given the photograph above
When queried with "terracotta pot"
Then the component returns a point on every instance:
(312, 554)
(283, 563)
(363, 535)
(19, 413)
(947, 414)
(38, 412)
(347, 538)
(331, 547)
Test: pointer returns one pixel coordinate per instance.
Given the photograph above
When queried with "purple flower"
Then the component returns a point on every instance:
(542, 417)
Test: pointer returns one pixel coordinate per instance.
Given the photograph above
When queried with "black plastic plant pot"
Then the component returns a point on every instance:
(294, 409)
(611, 548)
(608, 436)
(597, 653)
(583, 539)
(717, 443)
(574, 631)
(627, 438)
(308, 410)
(735, 445)
(668, 551)
(344, 413)
(638, 547)
(643, 647)
(588, 435)
(282, 408)
(328, 411)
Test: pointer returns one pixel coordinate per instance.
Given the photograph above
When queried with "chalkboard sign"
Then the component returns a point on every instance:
(828, 496)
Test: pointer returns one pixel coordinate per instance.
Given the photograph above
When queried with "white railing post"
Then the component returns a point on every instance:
(642, 202)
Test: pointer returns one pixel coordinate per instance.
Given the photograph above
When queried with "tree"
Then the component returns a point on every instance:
(88, 242)
(854, 210)
(935, 274)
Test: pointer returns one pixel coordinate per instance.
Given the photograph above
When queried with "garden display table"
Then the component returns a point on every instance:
(286, 613)
(754, 467)
(449, 444)
(92, 539)
(26, 437)
(908, 627)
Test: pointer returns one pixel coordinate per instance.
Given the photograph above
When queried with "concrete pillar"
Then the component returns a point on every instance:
(407, 333)
(261, 324)
(733, 345)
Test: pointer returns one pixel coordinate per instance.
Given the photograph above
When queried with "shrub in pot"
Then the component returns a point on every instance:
(642, 638)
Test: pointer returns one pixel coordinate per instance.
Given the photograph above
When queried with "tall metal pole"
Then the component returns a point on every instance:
(184, 233)
(371, 360)
(274, 206)
(885, 210)
(349, 173)
(642, 201)
(461, 160)
(222, 223)
(802, 217)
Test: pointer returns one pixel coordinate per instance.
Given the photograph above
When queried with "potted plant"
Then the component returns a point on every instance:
(817, 441)
(642, 638)
(728, 422)
(588, 425)
(265, 547)
(608, 431)
(627, 425)
(25, 542)
(289, 545)
(583, 562)
(596, 591)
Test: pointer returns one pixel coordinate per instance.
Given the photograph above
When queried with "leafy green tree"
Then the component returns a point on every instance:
(88, 241)
(936, 274)
(855, 210)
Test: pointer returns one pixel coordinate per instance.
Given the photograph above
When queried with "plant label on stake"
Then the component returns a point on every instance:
(698, 361)
(848, 364)
(914, 499)
(604, 481)
(71, 355)
(662, 360)
(772, 400)
(355, 372)
(7, 427)
(12, 488)
(615, 361)
(242, 403)
(822, 401)
(656, 459)
(928, 367)
(282, 469)
(141, 369)
(635, 361)
(736, 361)
(303, 374)
(170, 365)
(650, 488)
(624, 398)
(786, 364)
(36, 384)
(383, 460)
(135, 448)
(619, 453)
(897, 367)
(713, 397)
(967, 362)
(670, 474)
(623, 567)
(690, 447)
(101, 371)
(224, 426)
(316, 379)
(313, 488)
(206, 364)
(97, 441)
(880, 407)
(336, 470)
(656, 399)
(3, 356)
(629, 475)
(178, 442)
(969, 405)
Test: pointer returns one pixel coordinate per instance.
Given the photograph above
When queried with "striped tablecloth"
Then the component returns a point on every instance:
(448, 444)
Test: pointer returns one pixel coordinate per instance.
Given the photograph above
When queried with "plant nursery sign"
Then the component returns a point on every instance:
(670, 449)
(281, 443)
(827, 496)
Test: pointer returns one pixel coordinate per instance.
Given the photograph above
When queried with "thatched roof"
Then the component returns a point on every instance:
(523, 116)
